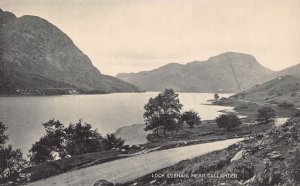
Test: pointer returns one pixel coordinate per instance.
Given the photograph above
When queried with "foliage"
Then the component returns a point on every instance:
(163, 111)
(191, 118)
(296, 113)
(265, 113)
(228, 121)
(51, 142)
(286, 105)
(3, 137)
(41, 151)
(81, 139)
(112, 142)
(216, 96)
(76, 139)
(11, 161)
(284, 139)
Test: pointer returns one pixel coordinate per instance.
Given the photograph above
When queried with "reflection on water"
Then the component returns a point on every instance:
(107, 112)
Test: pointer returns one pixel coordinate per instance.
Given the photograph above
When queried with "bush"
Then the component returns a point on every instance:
(216, 96)
(286, 105)
(191, 118)
(53, 141)
(112, 142)
(75, 139)
(3, 137)
(228, 121)
(11, 161)
(81, 139)
(265, 113)
(296, 113)
(242, 107)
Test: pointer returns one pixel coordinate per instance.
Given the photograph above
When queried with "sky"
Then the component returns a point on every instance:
(136, 35)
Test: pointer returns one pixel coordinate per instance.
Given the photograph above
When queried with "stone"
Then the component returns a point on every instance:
(238, 155)
(275, 155)
(103, 183)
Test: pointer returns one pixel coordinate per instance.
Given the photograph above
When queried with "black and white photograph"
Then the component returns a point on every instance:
(150, 92)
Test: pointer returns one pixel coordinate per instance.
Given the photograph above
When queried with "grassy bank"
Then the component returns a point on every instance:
(271, 158)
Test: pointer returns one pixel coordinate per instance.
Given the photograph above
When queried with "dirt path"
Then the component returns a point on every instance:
(133, 167)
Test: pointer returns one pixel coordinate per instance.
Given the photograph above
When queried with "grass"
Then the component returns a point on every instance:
(256, 167)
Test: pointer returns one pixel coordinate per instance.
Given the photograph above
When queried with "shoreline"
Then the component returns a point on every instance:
(208, 163)
(204, 133)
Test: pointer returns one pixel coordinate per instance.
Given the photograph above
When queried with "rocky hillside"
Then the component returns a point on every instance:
(281, 89)
(227, 72)
(31, 46)
(293, 70)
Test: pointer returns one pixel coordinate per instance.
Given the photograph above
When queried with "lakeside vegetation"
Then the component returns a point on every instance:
(269, 156)
(79, 146)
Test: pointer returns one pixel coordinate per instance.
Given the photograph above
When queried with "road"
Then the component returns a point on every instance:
(127, 169)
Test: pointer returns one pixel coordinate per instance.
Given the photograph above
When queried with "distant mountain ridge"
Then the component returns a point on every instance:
(31, 46)
(227, 72)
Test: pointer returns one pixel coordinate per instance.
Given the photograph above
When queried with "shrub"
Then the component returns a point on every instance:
(191, 118)
(3, 137)
(242, 107)
(286, 105)
(296, 113)
(293, 94)
(228, 121)
(112, 142)
(11, 161)
(265, 113)
(81, 139)
(75, 139)
(53, 141)
(216, 96)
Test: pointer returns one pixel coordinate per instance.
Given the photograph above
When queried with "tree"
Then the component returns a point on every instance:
(3, 137)
(75, 139)
(81, 139)
(112, 142)
(216, 96)
(163, 111)
(265, 113)
(228, 121)
(191, 118)
(11, 161)
(53, 141)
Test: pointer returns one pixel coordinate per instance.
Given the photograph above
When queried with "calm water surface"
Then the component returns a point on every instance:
(107, 113)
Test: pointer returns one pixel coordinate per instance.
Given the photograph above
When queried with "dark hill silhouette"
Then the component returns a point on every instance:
(30, 45)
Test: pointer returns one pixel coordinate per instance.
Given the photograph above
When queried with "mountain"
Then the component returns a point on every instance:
(278, 90)
(293, 70)
(227, 72)
(36, 50)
